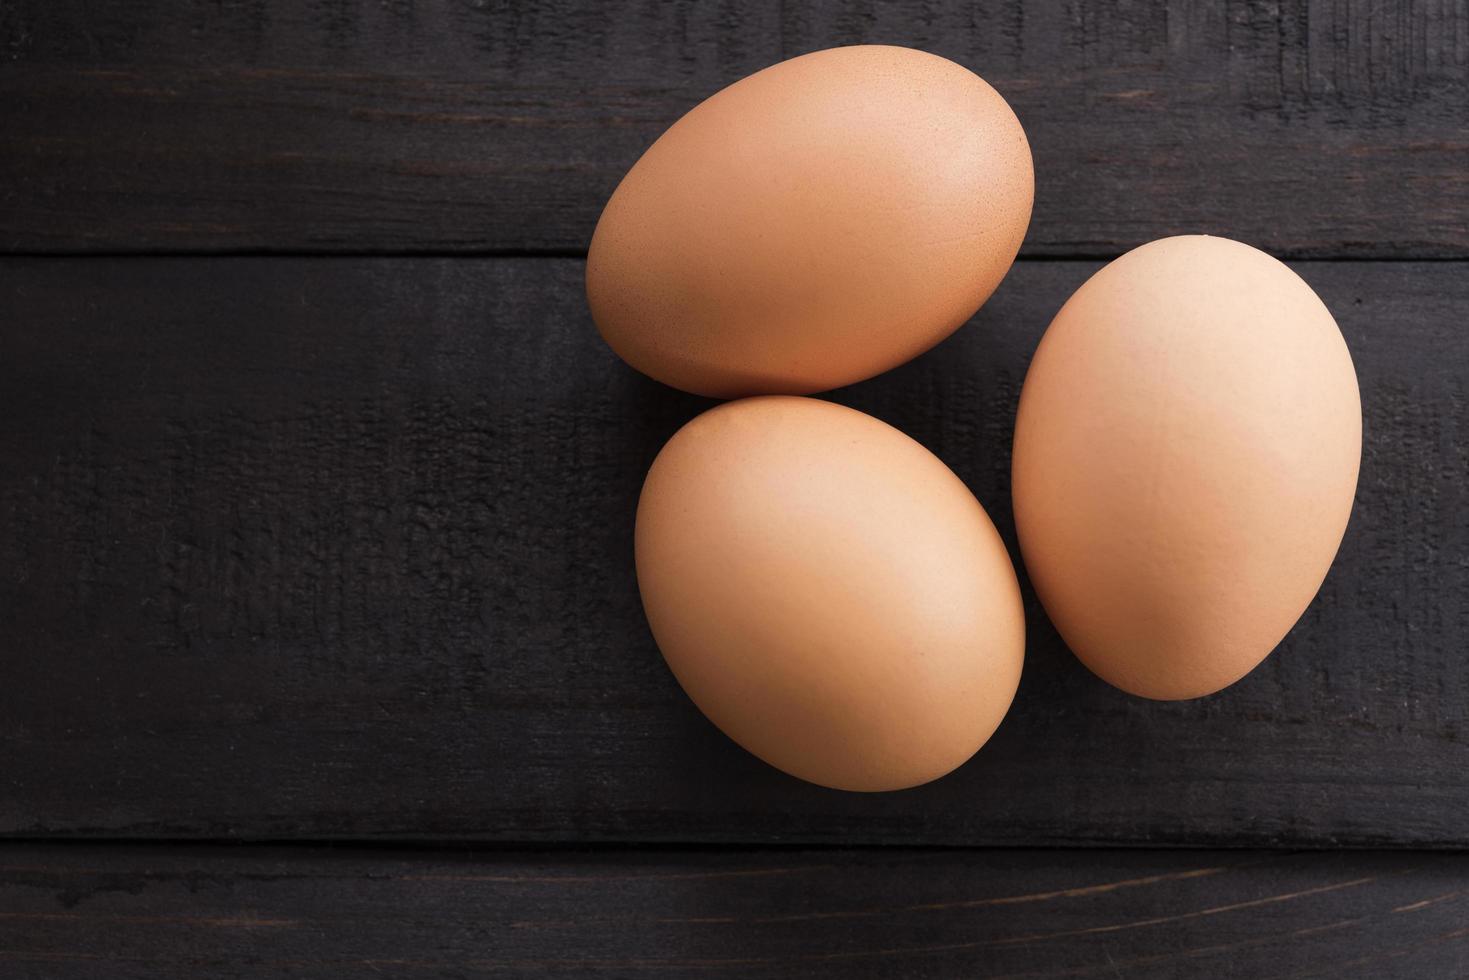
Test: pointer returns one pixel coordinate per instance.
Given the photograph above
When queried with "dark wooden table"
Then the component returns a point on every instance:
(320, 649)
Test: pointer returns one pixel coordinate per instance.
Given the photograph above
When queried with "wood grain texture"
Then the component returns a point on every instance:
(342, 548)
(1306, 127)
(124, 912)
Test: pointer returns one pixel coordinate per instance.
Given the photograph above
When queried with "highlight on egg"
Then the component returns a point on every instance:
(1185, 460)
(828, 592)
(812, 225)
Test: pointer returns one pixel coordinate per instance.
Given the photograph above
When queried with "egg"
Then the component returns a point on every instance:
(812, 225)
(1185, 460)
(828, 592)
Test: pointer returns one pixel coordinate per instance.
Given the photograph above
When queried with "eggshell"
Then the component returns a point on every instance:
(828, 592)
(1186, 455)
(812, 225)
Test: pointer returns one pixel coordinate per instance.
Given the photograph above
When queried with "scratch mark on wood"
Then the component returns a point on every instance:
(1414, 907)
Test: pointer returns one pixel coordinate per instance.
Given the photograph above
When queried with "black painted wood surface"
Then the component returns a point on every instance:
(342, 547)
(330, 549)
(130, 912)
(1308, 128)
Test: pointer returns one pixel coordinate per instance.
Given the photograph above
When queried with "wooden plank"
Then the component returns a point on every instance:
(1308, 128)
(342, 547)
(122, 912)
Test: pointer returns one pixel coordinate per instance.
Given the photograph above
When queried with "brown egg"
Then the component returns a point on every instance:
(812, 225)
(1186, 455)
(828, 592)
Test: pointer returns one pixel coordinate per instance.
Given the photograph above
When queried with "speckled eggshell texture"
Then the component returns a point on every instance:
(814, 224)
(1186, 456)
(828, 592)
